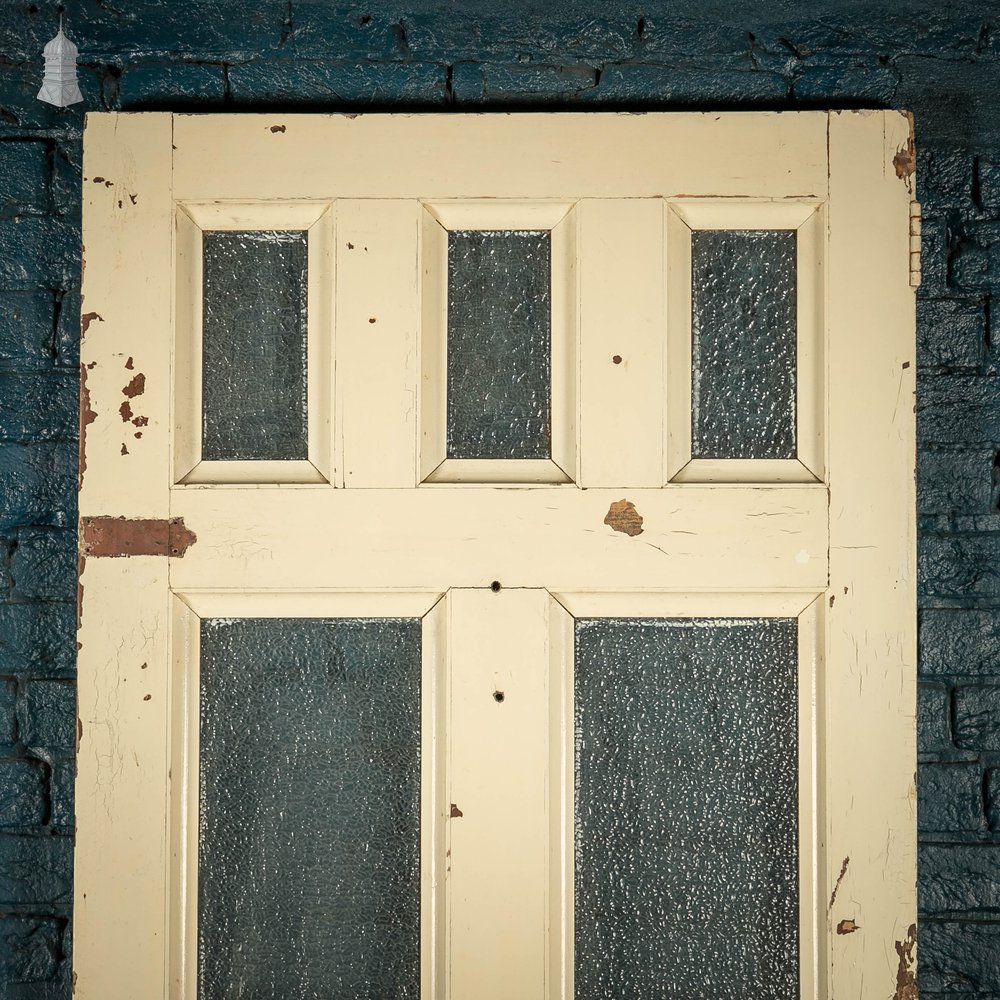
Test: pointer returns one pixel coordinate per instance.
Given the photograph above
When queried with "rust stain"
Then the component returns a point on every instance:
(455, 811)
(277, 128)
(126, 411)
(840, 878)
(623, 517)
(86, 319)
(906, 979)
(119, 536)
(136, 387)
(87, 417)
(847, 927)
(905, 160)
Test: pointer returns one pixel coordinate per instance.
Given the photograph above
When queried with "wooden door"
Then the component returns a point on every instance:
(583, 446)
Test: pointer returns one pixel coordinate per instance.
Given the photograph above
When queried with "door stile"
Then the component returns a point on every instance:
(870, 752)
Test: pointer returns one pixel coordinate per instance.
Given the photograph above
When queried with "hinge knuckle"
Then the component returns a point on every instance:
(915, 217)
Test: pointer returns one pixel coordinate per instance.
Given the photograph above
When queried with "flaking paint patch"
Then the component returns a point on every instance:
(906, 979)
(87, 417)
(622, 516)
(455, 811)
(136, 387)
(847, 927)
(86, 319)
(117, 537)
(126, 411)
(905, 160)
(840, 878)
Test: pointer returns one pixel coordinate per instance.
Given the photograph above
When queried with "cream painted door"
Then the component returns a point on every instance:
(581, 446)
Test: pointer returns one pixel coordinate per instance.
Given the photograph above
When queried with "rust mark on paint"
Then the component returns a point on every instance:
(86, 319)
(87, 417)
(115, 537)
(277, 128)
(906, 979)
(455, 811)
(847, 927)
(126, 411)
(622, 516)
(905, 160)
(840, 878)
(136, 387)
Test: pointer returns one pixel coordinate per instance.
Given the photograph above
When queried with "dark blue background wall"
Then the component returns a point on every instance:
(943, 64)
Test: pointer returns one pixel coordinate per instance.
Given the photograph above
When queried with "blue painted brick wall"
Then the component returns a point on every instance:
(942, 61)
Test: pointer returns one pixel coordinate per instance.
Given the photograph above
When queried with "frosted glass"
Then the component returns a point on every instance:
(309, 826)
(499, 344)
(254, 339)
(686, 809)
(743, 343)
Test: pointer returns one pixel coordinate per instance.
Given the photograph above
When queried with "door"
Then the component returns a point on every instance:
(496, 557)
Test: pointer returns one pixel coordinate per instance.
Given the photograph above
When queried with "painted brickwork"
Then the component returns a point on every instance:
(943, 64)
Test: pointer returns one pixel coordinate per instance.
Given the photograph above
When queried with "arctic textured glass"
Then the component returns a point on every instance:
(499, 344)
(686, 797)
(254, 345)
(743, 344)
(309, 830)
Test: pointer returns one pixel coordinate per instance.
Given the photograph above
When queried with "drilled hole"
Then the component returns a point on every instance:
(498, 696)
(617, 359)
(495, 586)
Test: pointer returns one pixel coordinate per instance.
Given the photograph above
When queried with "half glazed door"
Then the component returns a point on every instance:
(496, 558)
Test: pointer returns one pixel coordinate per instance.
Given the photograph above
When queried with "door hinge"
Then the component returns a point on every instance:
(914, 244)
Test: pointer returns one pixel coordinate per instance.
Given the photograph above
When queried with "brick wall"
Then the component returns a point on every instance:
(941, 63)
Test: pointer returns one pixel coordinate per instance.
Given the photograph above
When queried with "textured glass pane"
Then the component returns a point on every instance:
(686, 796)
(254, 345)
(309, 831)
(499, 344)
(743, 360)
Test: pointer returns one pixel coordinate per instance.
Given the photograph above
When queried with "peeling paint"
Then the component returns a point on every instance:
(905, 160)
(86, 319)
(136, 387)
(906, 978)
(126, 411)
(455, 811)
(116, 537)
(622, 516)
(847, 927)
(87, 417)
(124, 450)
(277, 128)
(840, 878)
(130, 364)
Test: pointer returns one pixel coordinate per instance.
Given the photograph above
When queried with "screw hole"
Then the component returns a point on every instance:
(617, 359)
(498, 696)
(495, 586)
